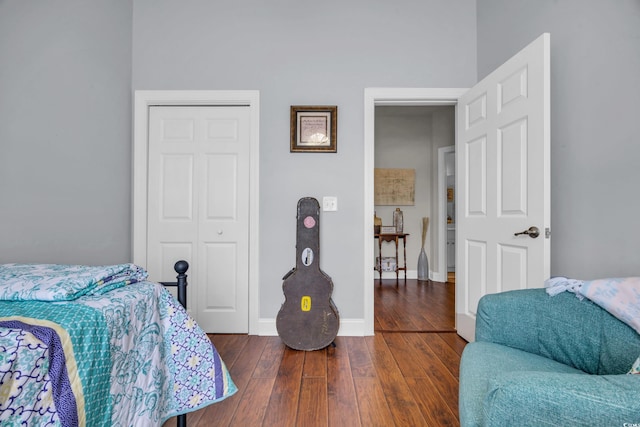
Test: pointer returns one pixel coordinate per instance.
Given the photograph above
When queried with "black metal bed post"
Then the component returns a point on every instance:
(181, 268)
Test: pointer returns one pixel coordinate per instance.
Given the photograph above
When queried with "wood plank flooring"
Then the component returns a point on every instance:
(405, 375)
(416, 307)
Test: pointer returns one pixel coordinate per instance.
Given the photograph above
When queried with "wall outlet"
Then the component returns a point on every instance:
(329, 203)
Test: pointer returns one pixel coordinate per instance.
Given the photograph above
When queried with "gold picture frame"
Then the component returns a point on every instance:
(314, 129)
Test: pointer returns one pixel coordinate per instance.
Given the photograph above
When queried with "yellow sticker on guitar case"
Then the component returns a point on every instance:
(305, 303)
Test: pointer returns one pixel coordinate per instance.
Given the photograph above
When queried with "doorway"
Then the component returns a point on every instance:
(447, 209)
(387, 97)
(413, 138)
(417, 139)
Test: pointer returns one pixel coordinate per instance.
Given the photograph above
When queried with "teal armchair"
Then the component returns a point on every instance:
(548, 361)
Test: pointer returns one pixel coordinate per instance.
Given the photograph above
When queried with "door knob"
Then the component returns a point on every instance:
(532, 232)
(220, 232)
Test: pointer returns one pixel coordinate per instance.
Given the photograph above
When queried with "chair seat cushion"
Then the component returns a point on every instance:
(484, 362)
(502, 386)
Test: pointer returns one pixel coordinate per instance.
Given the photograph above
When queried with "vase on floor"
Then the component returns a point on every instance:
(423, 266)
(423, 261)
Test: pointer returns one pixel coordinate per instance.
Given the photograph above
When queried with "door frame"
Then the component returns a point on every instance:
(143, 100)
(443, 226)
(378, 97)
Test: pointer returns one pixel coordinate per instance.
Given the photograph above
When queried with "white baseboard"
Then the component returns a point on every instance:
(348, 327)
(411, 274)
(438, 277)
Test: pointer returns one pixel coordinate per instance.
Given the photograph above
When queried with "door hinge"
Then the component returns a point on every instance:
(547, 232)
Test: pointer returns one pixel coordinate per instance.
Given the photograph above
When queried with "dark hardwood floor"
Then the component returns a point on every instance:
(416, 307)
(405, 375)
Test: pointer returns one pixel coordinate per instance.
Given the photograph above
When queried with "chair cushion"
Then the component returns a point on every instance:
(534, 399)
(503, 386)
(484, 362)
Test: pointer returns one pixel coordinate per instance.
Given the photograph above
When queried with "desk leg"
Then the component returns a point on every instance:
(404, 246)
(380, 260)
(397, 261)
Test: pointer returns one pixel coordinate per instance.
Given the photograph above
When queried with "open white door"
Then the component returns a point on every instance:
(502, 171)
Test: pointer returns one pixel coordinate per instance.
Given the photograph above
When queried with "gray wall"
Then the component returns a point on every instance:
(298, 52)
(595, 122)
(65, 126)
(68, 68)
(66, 75)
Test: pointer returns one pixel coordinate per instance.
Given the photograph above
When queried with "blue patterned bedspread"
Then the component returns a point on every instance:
(54, 282)
(130, 356)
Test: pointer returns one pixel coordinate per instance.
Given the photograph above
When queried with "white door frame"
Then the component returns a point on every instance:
(144, 99)
(372, 98)
(443, 257)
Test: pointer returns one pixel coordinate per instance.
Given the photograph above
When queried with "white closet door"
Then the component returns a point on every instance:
(198, 208)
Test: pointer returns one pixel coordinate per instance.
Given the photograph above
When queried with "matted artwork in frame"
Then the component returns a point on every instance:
(394, 187)
(314, 129)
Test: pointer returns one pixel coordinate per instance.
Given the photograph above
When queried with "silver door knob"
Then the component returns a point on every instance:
(532, 232)
(219, 232)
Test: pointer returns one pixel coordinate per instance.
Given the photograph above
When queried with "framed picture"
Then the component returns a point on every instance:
(314, 129)
(394, 187)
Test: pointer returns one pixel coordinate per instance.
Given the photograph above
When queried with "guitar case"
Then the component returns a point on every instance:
(308, 318)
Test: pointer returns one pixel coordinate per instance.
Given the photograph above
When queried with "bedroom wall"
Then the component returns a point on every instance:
(65, 126)
(297, 52)
(595, 64)
(65, 114)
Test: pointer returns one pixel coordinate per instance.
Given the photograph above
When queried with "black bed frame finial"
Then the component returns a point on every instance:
(181, 268)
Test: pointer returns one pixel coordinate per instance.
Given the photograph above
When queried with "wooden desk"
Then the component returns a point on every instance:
(393, 237)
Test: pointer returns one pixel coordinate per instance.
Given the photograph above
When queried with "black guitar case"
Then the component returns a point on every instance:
(308, 318)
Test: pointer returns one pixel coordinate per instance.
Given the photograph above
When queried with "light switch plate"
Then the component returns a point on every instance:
(329, 203)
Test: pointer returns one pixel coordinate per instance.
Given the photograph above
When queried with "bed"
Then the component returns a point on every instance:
(101, 346)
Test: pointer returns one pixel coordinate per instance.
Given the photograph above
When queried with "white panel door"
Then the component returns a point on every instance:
(503, 182)
(198, 208)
